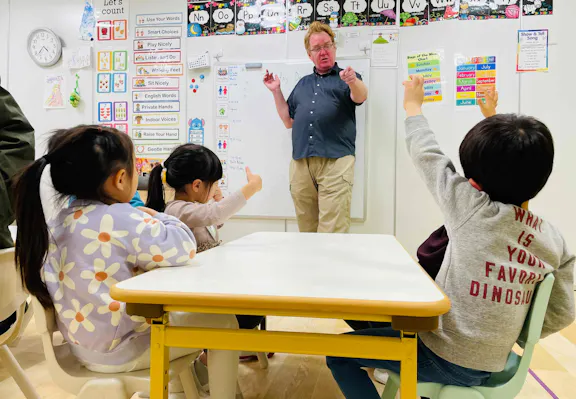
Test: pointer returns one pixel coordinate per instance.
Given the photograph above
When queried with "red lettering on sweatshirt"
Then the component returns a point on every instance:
(510, 253)
(474, 288)
(502, 274)
(489, 266)
(509, 296)
(519, 214)
(496, 294)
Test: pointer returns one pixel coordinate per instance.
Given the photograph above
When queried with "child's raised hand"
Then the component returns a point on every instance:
(414, 95)
(254, 180)
(489, 103)
(218, 195)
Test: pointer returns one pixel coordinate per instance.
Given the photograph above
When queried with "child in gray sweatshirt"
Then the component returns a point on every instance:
(498, 250)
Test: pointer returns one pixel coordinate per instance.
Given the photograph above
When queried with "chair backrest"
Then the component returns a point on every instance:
(532, 329)
(12, 294)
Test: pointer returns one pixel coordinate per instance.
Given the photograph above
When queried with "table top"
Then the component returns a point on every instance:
(353, 274)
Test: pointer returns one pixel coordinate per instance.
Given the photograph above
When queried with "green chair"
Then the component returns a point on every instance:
(505, 384)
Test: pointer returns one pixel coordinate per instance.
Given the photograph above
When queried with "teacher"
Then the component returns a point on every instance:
(321, 110)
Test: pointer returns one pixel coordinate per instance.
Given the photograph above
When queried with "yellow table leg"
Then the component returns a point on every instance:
(409, 367)
(159, 359)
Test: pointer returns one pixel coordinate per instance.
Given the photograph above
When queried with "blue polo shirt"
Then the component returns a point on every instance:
(324, 116)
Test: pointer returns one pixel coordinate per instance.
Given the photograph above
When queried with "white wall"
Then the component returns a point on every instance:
(4, 28)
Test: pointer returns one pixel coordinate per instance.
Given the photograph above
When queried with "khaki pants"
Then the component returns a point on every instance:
(321, 189)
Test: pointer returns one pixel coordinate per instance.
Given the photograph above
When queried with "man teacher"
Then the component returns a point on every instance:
(321, 111)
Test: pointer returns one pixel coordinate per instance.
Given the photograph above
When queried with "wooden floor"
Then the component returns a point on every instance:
(306, 377)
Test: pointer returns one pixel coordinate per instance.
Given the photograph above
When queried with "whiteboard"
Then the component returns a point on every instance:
(258, 138)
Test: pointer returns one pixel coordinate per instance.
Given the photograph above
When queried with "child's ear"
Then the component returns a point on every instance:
(121, 179)
(197, 185)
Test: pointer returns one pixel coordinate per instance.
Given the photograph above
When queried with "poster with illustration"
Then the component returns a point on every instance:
(145, 165)
(300, 14)
(223, 18)
(382, 12)
(53, 92)
(475, 9)
(104, 83)
(119, 29)
(199, 18)
(120, 59)
(443, 10)
(537, 7)
(273, 16)
(328, 12)
(354, 13)
(248, 18)
(105, 112)
(414, 12)
(104, 60)
(504, 9)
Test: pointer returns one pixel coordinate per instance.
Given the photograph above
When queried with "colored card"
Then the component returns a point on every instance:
(121, 111)
(223, 18)
(155, 119)
(222, 110)
(169, 18)
(159, 83)
(169, 95)
(120, 31)
(123, 127)
(354, 13)
(428, 65)
(414, 12)
(157, 44)
(504, 9)
(474, 9)
(119, 82)
(474, 76)
(160, 106)
(328, 12)
(165, 57)
(105, 112)
(158, 31)
(199, 18)
(160, 70)
(222, 92)
(104, 60)
(382, 12)
(156, 134)
(537, 7)
(273, 16)
(443, 10)
(104, 84)
(120, 60)
(301, 14)
(104, 30)
(248, 18)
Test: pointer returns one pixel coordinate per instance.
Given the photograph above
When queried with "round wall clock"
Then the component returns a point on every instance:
(44, 47)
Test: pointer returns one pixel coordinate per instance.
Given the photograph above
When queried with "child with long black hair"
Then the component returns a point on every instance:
(70, 263)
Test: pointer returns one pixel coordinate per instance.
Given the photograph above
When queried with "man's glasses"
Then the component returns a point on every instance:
(326, 47)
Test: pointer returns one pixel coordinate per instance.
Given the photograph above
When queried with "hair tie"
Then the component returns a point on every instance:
(163, 174)
(48, 158)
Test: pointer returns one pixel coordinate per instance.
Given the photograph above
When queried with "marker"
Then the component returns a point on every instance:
(254, 65)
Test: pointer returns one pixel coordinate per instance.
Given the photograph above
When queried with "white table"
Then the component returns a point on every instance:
(357, 277)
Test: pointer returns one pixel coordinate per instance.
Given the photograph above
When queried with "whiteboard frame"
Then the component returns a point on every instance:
(366, 137)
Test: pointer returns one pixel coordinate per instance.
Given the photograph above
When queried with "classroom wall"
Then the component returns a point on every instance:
(396, 199)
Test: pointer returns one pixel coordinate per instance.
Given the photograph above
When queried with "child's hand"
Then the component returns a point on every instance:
(254, 184)
(149, 211)
(413, 95)
(489, 103)
(218, 195)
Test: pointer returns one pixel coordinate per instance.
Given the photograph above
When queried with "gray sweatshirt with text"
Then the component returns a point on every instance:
(496, 255)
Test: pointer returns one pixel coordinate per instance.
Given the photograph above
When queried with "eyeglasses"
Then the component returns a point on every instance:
(326, 47)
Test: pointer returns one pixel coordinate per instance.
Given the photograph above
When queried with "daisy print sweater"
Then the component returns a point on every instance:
(92, 247)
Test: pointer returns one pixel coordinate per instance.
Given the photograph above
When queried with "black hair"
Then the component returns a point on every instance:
(510, 156)
(81, 159)
(187, 163)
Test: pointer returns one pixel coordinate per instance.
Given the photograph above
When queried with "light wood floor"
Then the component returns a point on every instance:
(306, 377)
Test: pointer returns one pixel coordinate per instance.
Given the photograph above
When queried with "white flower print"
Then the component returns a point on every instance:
(190, 252)
(78, 216)
(104, 238)
(142, 327)
(156, 257)
(60, 276)
(114, 307)
(58, 307)
(133, 257)
(146, 220)
(100, 275)
(79, 317)
(51, 245)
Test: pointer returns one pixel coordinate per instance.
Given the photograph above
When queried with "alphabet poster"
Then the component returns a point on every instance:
(328, 12)
(382, 12)
(414, 12)
(354, 13)
(199, 18)
(273, 16)
(223, 18)
(537, 7)
(502, 9)
(474, 9)
(248, 18)
(442, 10)
(300, 14)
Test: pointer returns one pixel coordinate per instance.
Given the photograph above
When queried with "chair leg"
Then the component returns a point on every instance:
(263, 360)
(239, 394)
(190, 388)
(390, 390)
(17, 373)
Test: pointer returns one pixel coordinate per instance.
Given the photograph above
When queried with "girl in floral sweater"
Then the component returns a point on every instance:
(71, 263)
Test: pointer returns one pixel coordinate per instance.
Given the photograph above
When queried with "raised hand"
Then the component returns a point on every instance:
(348, 75)
(414, 95)
(489, 103)
(271, 81)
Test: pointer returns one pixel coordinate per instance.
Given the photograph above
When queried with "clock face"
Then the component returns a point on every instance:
(44, 47)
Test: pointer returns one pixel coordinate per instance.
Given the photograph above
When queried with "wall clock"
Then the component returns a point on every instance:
(44, 47)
